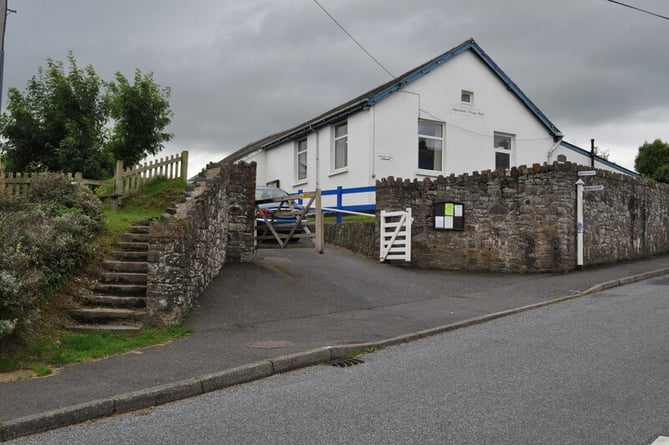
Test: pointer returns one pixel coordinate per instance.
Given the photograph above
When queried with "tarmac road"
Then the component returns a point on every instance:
(289, 301)
(587, 370)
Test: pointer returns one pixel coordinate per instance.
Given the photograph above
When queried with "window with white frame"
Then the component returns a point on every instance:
(301, 160)
(503, 144)
(467, 97)
(430, 145)
(340, 146)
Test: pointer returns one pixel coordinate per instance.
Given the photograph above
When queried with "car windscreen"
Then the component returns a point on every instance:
(269, 193)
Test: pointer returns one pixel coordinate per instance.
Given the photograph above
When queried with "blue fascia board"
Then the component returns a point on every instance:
(466, 46)
(511, 85)
(306, 129)
(420, 72)
(408, 79)
(601, 160)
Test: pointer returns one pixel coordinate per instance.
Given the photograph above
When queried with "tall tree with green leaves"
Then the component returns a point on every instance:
(69, 119)
(652, 161)
(58, 123)
(141, 112)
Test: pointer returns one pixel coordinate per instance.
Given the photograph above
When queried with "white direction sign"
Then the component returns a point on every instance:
(593, 188)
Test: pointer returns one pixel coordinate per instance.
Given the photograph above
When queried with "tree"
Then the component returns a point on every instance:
(141, 112)
(653, 160)
(57, 124)
(71, 120)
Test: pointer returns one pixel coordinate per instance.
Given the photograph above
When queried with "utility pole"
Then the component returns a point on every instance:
(4, 11)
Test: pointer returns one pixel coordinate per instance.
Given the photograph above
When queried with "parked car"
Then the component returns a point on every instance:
(282, 215)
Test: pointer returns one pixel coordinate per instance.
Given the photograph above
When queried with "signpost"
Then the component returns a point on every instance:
(580, 228)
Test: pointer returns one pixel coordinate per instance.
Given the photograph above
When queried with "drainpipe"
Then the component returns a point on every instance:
(373, 143)
(560, 136)
(318, 159)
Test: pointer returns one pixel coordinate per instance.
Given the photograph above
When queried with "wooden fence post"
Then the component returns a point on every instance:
(118, 178)
(320, 235)
(184, 165)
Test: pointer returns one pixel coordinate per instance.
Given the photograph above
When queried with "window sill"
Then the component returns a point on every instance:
(300, 182)
(430, 173)
(339, 172)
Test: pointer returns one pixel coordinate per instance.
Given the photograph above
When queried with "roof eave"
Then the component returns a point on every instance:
(320, 122)
(599, 159)
(377, 95)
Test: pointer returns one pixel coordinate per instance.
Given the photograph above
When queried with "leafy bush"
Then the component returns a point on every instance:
(45, 235)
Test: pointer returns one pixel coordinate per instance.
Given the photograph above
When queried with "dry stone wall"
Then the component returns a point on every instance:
(524, 219)
(212, 225)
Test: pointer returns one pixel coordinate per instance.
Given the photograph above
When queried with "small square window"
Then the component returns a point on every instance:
(467, 97)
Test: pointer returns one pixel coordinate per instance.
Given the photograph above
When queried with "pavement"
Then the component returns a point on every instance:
(292, 308)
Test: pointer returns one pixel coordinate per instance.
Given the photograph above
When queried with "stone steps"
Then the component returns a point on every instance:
(92, 327)
(123, 290)
(126, 266)
(114, 277)
(114, 301)
(107, 314)
(117, 301)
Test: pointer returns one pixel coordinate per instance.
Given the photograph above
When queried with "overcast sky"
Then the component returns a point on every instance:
(240, 70)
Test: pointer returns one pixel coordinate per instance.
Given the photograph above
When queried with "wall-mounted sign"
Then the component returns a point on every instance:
(449, 216)
(468, 111)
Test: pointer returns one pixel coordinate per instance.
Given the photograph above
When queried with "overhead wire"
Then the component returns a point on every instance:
(360, 45)
(645, 11)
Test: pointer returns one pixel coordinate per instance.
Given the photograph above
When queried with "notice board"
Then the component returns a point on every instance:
(449, 216)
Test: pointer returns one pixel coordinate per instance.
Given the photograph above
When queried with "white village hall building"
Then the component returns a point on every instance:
(457, 113)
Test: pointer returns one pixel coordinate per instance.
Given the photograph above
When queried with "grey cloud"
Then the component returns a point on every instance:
(241, 70)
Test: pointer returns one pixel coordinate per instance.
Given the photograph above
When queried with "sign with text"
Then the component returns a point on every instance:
(449, 216)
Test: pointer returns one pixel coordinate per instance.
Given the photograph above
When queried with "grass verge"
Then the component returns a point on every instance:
(150, 202)
(41, 354)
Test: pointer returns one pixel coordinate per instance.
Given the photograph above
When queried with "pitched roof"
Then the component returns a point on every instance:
(381, 92)
(599, 159)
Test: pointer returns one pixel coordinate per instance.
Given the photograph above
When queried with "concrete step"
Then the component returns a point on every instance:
(122, 278)
(91, 327)
(126, 266)
(128, 256)
(118, 301)
(122, 290)
(114, 301)
(132, 246)
(100, 315)
(133, 237)
(140, 228)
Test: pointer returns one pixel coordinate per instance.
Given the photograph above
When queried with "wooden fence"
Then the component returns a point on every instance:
(125, 181)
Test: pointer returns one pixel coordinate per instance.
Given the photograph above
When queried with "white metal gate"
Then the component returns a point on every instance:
(396, 235)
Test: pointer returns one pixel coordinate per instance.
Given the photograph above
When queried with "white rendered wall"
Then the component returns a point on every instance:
(383, 140)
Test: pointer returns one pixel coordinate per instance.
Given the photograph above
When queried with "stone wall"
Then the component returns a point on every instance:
(212, 225)
(357, 236)
(629, 219)
(524, 219)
